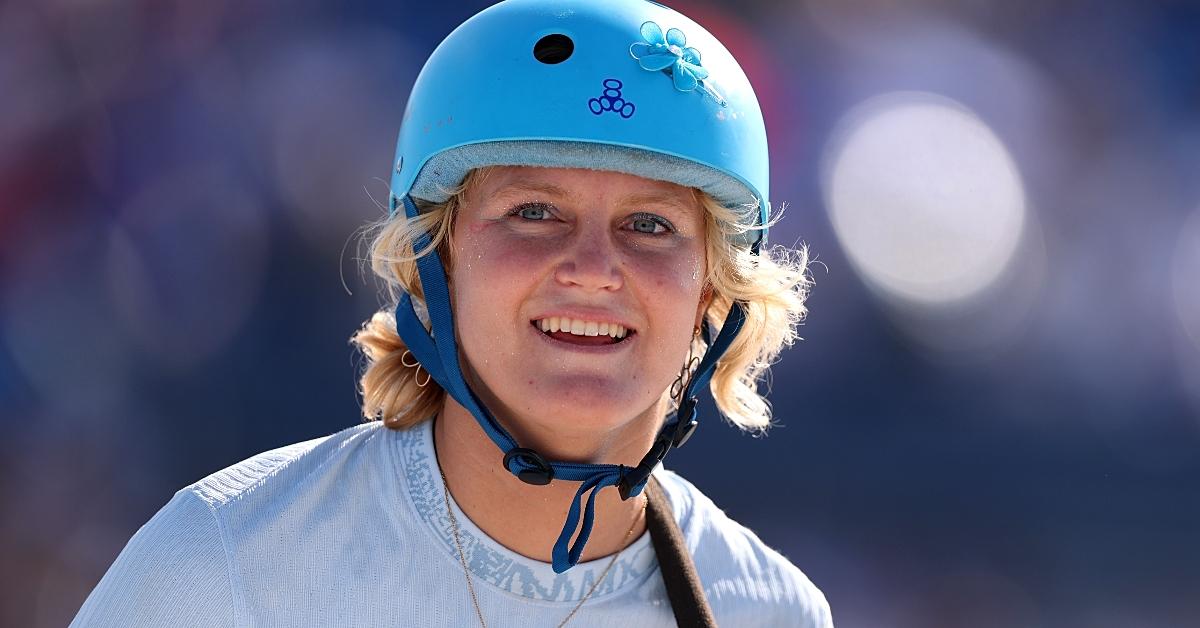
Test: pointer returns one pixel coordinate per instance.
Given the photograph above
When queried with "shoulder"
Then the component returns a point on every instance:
(173, 571)
(747, 582)
(186, 566)
(270, 503)
(269, 475)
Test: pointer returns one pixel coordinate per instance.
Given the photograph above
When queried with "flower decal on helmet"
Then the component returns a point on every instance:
(670, 54)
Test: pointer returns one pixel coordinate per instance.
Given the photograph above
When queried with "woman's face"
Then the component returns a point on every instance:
(583, 252)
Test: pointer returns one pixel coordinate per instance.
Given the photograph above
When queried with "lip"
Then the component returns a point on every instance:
(616, 347)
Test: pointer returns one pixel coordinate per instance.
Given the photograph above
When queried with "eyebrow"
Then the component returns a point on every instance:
(522, 185)
(650, 198)
(644, 198)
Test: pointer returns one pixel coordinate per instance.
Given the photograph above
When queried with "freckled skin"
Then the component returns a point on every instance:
(587, 250)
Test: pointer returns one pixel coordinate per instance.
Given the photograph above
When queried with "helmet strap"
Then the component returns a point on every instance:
(440, 360)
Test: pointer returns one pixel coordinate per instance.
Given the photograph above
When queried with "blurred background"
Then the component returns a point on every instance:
(993, 418)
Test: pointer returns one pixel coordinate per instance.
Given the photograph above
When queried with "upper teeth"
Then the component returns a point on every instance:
(581, 328)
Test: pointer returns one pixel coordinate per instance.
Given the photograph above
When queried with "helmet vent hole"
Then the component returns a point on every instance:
(553, 49)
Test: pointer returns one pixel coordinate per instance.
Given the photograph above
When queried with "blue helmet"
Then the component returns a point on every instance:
(621, 85)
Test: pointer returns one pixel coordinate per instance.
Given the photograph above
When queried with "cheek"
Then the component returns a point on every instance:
(671, 286)
(678, 273)
(491, 275)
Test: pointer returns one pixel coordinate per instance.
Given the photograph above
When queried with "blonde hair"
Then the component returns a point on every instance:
(773, 285)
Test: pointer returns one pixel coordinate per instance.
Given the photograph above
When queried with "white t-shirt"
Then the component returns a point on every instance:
(351, 530)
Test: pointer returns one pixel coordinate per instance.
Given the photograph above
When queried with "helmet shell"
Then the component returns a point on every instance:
(484, 98)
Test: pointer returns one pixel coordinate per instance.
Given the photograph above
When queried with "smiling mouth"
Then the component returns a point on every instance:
(580, 332)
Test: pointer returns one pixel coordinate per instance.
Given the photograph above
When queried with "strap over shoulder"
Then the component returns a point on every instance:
(684, 588)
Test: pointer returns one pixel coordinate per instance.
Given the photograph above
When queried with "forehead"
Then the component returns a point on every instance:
(580, 183)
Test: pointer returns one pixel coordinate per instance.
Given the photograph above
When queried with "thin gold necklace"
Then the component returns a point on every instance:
(462, 557)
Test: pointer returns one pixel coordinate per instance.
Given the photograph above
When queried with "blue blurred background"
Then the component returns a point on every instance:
(993, 417)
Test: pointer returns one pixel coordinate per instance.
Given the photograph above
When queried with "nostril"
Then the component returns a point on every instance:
(553, 49)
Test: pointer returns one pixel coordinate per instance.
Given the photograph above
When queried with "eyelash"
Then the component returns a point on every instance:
(516, 211)
(657, 220)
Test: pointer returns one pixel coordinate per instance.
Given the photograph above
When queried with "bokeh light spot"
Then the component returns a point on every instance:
(186, 262)
(1185, 274)
(924, 198)
(55, 321)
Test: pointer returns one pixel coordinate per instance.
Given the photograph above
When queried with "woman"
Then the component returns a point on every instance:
(575, 250)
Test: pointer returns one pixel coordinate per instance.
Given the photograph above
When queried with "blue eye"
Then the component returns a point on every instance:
(645, 226)
(650, 224)
(532, 211)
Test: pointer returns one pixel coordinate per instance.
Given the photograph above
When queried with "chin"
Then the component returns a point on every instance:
(598, 406)
(588, 407)
(586, 412)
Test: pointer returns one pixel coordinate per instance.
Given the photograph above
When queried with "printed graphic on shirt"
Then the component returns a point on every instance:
(492, 563)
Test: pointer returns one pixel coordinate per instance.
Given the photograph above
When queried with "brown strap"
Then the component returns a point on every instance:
(678, 572)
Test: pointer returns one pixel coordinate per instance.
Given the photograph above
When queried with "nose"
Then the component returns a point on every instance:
(591, 262)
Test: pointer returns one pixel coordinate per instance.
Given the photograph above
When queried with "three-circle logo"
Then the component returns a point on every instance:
(611, 100)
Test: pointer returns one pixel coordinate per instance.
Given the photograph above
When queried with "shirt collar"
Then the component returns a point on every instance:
(492, 563)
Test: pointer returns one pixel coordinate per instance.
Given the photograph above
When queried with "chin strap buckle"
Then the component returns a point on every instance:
(686, 424)
(533, 468)
(633, 479)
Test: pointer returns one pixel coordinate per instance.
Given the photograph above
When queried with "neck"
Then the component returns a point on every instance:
(524, 518)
